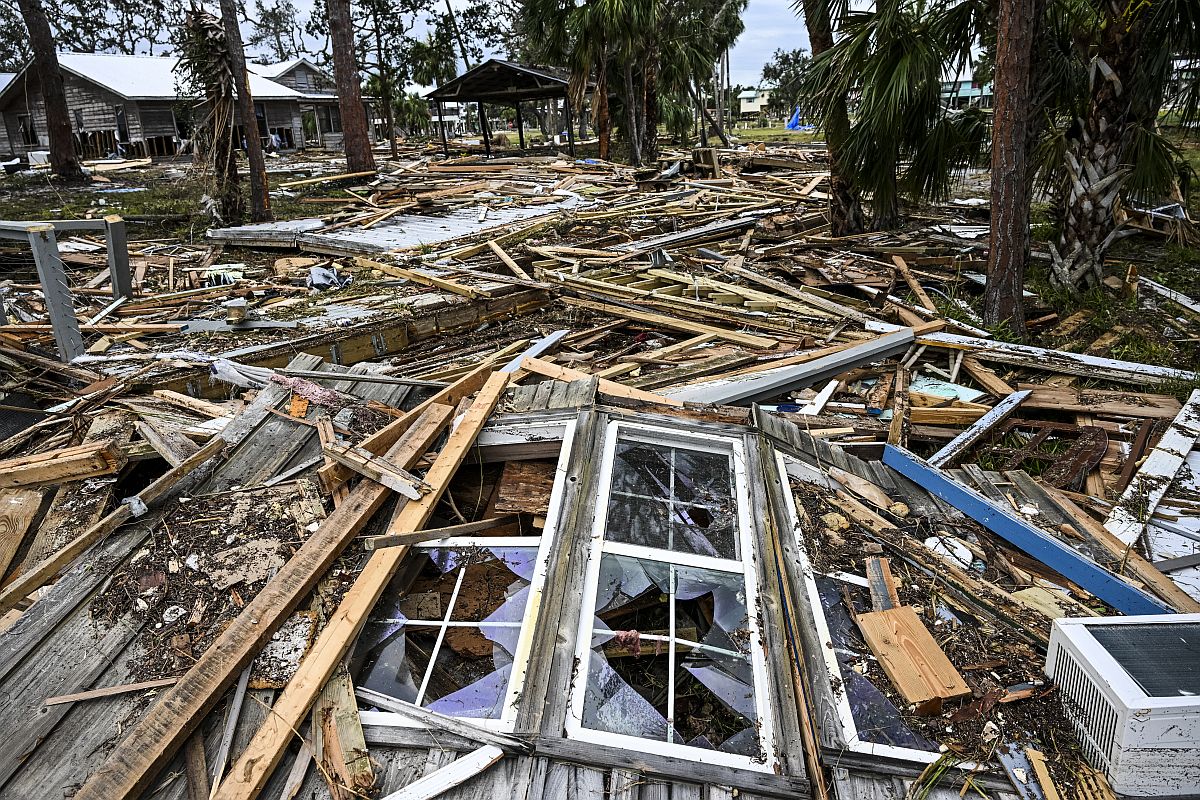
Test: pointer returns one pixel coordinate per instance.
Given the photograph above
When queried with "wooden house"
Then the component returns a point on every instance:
(132, 106)
(319, 111)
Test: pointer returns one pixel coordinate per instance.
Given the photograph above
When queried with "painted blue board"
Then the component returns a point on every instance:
(1025, 537)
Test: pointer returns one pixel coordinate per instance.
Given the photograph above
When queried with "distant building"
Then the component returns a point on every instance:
(753, 102)
(133, 106)
(967, 93)
(319, 111)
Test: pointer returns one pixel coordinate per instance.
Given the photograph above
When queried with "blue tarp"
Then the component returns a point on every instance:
(794, 122)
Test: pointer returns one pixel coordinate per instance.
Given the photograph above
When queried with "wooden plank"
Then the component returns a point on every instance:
(959, 445)
(261, 756)
(195, 768)
(672, 323)
(508, 261)
(611, 388)
(109, 691)
(18, 507)
(911, 280)
(39, 574)
(911, 656)
(420, 276)
(453, 774)
(992, 383)
(881, 584)
(377, 469)
(173, 446)
(1131, 513)
(1099, 401)
(132, 765)
(431, 534)
(334, 475)
(345, 747)
(525, 486)
(898, 429)
(65, 464)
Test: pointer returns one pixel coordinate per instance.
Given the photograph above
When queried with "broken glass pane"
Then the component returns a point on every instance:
(673, 499)
(445, 631)
(705, 685)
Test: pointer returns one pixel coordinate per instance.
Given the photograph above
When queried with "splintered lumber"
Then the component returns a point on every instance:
(1032, 541)
(172, 445)
(992, 383)
(959, 445)
(248, 776)
(910, 656)
(334, 475)
(430, 534)
(673, 323)
(432, 720)
(109, 691)
(345, 747)
(911, 280)
(1108, 369)
(324, 178)
(1132, 561)
(1131, 513)
(150, 743)
(453, 774)
(18, 507)
(898, 428)
(422, 277)
(774, 381)
(377, 469)
(38, 575)
(65, 464)
(526, 486)
(1101, 401)
(612, 388)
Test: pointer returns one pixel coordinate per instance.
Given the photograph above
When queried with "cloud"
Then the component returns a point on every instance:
(770, 25)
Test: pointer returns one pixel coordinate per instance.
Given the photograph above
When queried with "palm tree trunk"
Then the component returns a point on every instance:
(650, 115)
(260, 201)
(45, 65)
(707, 116)
(1093, 162)
(355, 138)
(631, 121)
(600, 101)
(1012, 184)
(845, 207)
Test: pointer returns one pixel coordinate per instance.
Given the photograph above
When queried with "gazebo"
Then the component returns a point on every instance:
(504, 83)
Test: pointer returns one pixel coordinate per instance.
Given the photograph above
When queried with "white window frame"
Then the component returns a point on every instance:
(520, 667)
(833, 670)
(746, 566)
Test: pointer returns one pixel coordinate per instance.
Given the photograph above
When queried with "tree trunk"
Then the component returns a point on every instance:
(708, 117)
(355, 138)
(458, 37)
(1093, 162)
(845, 207)
(1012, 179)
(63, 161)
(385, 87)
(600, 101)
(650, 118)
(631, 119)
(260, 202)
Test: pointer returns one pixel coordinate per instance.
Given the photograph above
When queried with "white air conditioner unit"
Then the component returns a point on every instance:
(1131, 688)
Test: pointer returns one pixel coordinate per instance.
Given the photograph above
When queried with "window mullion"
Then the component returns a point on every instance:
(437, 645)
(671, 656)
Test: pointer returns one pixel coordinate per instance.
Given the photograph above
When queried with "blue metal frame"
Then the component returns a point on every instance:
(1030, 540)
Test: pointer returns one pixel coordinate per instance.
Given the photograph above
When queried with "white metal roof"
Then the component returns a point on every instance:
(282, 67)
(153, 77)
(6, 78)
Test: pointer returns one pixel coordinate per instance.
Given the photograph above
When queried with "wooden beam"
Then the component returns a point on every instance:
(508, 261)
(149, 745)
(335, 475)
(109, 691)
(376, 468)
(1131, 513)
(65, 464)
(262, 754)
(345, 747)
(431, 534)
(898, 429)
(453, 774)
(38, 575)
(611, 388)
(1099, 401)
(959, 445)
(419, 276)
(992, 383)
(911, 280)
(672, 323)
(18, 507)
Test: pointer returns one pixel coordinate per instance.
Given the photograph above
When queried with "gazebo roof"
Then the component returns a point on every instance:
(496, 81)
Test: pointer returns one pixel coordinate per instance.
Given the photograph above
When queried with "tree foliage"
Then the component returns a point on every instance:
(785, 73)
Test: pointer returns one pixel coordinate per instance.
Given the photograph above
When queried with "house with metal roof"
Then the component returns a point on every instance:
(319, 111)
(135, 106)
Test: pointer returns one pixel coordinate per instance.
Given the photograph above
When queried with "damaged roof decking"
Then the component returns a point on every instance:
(624, 302)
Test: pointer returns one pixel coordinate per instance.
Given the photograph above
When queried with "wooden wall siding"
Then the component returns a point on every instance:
(94, 103)
(306, 79)
(157, 119)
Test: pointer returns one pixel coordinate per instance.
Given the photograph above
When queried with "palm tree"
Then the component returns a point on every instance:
(1114, 144)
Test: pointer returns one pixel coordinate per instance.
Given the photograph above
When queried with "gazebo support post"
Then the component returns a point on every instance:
(442, 128)
(520, 126)
(483, 130)
(570, 127)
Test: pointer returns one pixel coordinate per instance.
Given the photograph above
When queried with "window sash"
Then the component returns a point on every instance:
(745, 566)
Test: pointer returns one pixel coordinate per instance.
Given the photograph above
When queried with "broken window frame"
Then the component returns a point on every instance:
(847, 732)
(543, 543)
(745, 566)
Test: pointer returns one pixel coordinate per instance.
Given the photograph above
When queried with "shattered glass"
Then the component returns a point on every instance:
(672, 499)
(702, 694)
(473, 600)
(878, 721)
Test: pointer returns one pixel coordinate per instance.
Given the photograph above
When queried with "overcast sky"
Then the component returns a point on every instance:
(770, 25)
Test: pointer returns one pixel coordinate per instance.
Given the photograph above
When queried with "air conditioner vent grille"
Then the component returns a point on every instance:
(1094, 718)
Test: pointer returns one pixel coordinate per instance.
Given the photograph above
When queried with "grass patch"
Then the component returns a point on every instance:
(778, 135)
